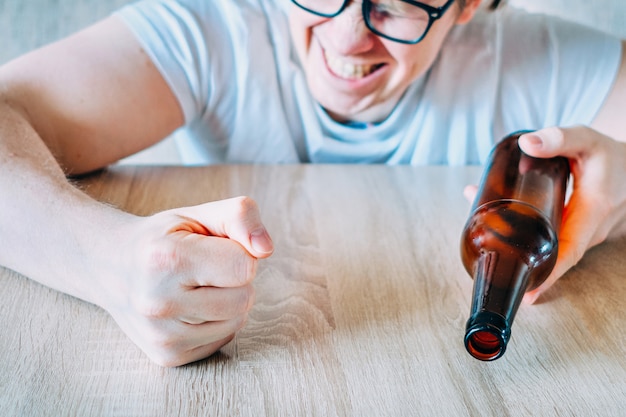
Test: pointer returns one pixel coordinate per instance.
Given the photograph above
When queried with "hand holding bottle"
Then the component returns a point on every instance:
(596, 210)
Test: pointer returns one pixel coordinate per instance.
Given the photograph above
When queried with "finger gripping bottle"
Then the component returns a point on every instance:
(509, 243)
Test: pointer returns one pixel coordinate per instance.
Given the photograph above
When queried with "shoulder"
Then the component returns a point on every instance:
(197, 44)
(513, 70)
(211, 20)
(514, 31)
(531, 52)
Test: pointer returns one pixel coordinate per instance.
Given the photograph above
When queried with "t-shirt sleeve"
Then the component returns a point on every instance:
(554, 72)
(174, 38)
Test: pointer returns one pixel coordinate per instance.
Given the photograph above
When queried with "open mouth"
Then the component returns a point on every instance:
(348, 70)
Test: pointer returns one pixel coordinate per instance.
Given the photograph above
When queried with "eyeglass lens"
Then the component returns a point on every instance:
(392, 18)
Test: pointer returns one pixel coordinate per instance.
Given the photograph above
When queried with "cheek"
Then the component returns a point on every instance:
(414, 60)
(410, 65)
(301, 25)
(297, 32)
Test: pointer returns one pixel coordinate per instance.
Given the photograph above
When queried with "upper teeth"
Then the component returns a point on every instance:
(346, 69)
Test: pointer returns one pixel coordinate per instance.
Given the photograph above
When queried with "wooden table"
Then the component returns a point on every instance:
(360, 312)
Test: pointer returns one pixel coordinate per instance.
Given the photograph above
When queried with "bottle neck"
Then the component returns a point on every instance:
(500, 284)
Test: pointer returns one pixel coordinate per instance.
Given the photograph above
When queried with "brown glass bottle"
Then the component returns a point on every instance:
(509, 243)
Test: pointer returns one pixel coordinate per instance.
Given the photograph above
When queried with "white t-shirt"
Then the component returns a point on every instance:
(236, 75)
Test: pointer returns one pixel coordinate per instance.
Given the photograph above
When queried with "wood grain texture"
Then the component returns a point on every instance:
(360, 312)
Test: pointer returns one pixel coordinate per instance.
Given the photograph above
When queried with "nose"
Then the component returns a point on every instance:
(347, 33)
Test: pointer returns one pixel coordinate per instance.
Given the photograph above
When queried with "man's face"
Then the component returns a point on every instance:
(354, 74)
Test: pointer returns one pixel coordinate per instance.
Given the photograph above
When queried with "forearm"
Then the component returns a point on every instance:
(50, 231)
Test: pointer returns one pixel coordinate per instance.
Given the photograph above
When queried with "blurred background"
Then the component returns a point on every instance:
(27, 24)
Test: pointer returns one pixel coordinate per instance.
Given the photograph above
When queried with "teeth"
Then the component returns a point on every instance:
(347, 70)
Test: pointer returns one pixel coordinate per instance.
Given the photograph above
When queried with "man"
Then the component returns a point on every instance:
(381, 81)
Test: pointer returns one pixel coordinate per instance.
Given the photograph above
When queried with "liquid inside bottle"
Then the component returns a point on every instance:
(509, 244)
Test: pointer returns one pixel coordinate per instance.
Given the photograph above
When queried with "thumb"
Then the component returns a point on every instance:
(570, 142)
(235, 218)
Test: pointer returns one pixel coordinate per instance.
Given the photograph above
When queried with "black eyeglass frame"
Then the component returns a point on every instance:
(434, 13)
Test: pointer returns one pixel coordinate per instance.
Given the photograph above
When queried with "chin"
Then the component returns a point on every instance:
(341, 113)
(366, 105)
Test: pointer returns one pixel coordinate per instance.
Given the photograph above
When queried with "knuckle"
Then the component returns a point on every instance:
(163, 258)
(163, 342)
(232, 303)
(241, 321)
(251, 298)
(164, 348)
(245, 269)
(167, 359)
(245, 299)
(244, 206)
(155, 307)
(557, 133)
(237, 268)
(237, 302)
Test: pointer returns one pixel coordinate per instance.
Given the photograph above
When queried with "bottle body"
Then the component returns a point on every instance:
(509, 244)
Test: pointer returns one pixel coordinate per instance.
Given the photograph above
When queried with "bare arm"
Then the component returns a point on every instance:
(68, 108)
(178, 282)
(93, 98)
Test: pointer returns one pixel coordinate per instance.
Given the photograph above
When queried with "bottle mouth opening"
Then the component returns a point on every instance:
(484, 345)
(486, 336)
